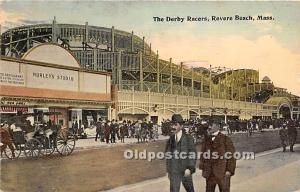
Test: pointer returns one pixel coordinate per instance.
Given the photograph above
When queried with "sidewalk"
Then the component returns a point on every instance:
(258, 175)
(90, 143)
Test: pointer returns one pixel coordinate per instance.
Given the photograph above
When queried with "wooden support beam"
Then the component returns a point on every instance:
(181, 74)
(171, 77)
(119, 70)
(132, 41)
(157, 73)
(192, 81)
(141, 72)
(113, 39)
(86, 37)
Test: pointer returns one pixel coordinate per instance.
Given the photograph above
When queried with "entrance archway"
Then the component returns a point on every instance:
(284, 104)
(285, 111)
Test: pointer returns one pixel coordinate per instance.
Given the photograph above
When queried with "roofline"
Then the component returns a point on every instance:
(44, 64)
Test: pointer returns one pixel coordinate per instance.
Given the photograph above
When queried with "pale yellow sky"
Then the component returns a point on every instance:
(264, 53)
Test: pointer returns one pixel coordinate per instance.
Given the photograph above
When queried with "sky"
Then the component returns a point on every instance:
(270, 46)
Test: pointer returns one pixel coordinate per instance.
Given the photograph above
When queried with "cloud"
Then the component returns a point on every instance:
(9, 19)
(33, 22)
(264, 53)
(8, 16)
(190, 64)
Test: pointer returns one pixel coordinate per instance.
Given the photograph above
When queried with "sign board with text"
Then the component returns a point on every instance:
(48, 77)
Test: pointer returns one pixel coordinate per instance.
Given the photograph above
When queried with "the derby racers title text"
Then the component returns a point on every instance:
(213, 18)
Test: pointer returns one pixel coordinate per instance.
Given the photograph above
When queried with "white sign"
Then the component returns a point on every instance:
(51, 78)
(16, 79)
(47, 77)
(10, 74)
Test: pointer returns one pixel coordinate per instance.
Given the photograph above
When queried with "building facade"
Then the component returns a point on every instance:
(48, 78)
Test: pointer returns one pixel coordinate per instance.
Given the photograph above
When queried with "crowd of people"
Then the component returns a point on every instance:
(143, 131)
(197, 127)
(112, 131)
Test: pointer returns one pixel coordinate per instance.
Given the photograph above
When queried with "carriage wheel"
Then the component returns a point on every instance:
(17, 151)
(47, 151)
(47, 147)
(65, 142)
(33, 148)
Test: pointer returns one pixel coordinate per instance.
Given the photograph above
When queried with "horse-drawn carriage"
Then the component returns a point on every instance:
(41, 139)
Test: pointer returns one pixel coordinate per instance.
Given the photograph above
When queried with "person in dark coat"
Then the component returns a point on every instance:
(283, 133)
(180, 170)
(117, 130)
(72, 128)
(113, 131)
(217, 171)
(292, 135)
(75, 128)
(98, 129)
(123, 128)
(102, 136)
(107, 132)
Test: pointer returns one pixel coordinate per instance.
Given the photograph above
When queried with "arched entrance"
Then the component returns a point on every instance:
(284, 106)
(285, 111)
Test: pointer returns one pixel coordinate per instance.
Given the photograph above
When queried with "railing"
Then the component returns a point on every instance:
(148, 99)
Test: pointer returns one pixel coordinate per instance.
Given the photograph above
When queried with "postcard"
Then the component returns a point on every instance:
(150, 96)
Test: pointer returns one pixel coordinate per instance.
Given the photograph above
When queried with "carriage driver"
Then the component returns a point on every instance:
(6, 139)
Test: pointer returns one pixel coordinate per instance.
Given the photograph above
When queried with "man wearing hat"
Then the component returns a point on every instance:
(181, 166)
(217, 171)
(283, 133)
(292, 135)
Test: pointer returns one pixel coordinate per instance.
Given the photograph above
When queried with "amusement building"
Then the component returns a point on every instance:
(89, 72)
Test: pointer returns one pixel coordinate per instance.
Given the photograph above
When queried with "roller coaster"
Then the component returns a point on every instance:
(135, 66)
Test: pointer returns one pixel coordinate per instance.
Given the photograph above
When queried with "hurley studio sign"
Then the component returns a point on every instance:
(53, 76)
